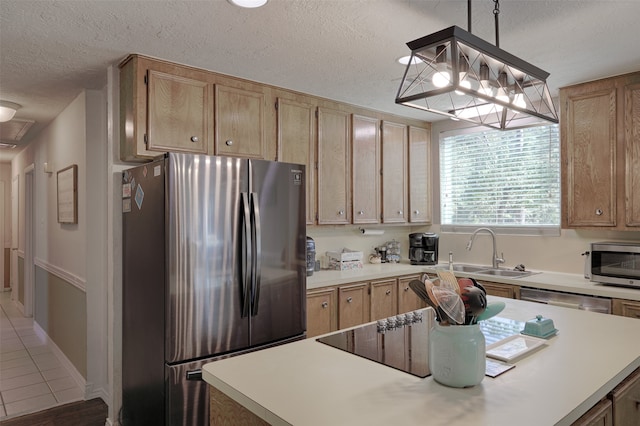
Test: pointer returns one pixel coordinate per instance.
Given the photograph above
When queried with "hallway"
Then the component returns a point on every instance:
(32, 378)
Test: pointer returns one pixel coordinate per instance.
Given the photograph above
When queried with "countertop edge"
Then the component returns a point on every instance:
(547, 280)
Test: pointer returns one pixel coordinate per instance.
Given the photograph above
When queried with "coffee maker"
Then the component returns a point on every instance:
(423, 248)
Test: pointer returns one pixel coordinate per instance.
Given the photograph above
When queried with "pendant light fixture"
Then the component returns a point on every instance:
(456, 74)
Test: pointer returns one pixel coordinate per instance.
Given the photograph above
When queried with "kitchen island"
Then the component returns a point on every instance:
(309, 383)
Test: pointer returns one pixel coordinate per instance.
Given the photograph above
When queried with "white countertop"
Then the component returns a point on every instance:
(309, 383)
(571, 283)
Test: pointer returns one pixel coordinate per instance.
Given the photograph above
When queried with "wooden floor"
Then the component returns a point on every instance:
(83, 413)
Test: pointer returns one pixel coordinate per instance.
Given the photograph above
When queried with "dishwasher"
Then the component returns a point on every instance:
(567, 300)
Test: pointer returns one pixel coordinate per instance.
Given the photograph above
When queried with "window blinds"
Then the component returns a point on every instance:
(501, 178)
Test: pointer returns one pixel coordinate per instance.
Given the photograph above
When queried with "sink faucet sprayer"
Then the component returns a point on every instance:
(496, 261)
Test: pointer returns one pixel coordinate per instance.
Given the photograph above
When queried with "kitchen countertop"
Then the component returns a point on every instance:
(571, 283)
(309, 383)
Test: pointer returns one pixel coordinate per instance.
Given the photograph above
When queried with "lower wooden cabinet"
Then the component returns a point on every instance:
(408, 300)
(626, 308)
(501, 290)
(353, 305)
(384, 299)
(322, 314)
(600, 415)
(626, 401)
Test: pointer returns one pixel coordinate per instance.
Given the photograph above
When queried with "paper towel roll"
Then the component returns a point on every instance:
(371, 231)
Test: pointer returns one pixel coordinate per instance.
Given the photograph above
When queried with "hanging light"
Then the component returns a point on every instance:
(461, 76)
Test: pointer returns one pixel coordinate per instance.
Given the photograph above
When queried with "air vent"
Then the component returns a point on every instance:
(13, 131)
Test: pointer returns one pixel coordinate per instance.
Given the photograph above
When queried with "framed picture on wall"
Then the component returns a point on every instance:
(67, 180)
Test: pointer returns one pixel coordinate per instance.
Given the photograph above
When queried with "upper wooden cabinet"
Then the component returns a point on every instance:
(420, 183)
(394, 172)
(365, 143)
(297, 143)
(170, 107)
(600, 138)
(163, 107)
(179, 113)
(334, 174)
(632, 150)
(239, 122)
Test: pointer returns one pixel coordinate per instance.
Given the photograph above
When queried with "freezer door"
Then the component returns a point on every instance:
(188, 396)
(204, 301)
(278, 291)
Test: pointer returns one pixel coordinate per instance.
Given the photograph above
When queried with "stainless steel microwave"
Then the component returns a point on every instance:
(616, 263)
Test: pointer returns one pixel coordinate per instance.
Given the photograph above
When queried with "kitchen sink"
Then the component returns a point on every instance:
(486, 270)
(505, 273)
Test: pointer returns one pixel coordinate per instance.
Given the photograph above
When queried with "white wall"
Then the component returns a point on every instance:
(74, 252)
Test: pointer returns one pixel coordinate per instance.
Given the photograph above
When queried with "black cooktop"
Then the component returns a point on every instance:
(401, 342)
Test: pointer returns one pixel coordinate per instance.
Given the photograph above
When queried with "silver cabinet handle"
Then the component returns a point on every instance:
(349, 299)
(416, 212)
(388, 292)
(406, 289)
(325, 304)
(361, 212)
(195, 139)
(599, 212)
(341, 212)
(399, 211)
(229, 142)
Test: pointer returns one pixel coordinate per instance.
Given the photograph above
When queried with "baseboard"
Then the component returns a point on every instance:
(77, 377)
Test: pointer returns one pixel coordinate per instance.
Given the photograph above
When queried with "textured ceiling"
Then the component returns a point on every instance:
(341, 49)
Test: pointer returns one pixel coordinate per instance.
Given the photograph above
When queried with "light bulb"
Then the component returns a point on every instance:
(519, 101)
(463, 83)
(442, 77)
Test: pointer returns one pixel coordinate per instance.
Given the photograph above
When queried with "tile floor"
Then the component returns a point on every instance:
(32, 378)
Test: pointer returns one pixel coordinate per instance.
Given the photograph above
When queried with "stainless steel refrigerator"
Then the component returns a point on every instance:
(213, 266)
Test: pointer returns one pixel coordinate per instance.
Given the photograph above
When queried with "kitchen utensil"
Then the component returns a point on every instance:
(493, 309)
(465, 282)
(420, 289)
(450, 302)
(477, 284)
(449, 280)
(475, 303)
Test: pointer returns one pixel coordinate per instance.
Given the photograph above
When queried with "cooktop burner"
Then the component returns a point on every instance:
(401, 342)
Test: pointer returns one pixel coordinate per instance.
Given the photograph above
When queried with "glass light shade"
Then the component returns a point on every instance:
(248, 3)
(7, 110)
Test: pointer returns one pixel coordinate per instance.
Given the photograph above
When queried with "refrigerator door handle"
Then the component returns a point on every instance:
(257, 253)
(246, 254)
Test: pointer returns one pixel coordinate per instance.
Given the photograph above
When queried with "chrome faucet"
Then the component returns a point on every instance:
(496, 261)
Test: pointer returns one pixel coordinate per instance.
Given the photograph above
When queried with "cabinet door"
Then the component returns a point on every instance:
(419, 175)
(626, 401)
(334, 174)
(408, 300)
(178, 113)
(353, 305)
(626, 308)
(394, 167)
(502, 290)
(632, 157)
(366, 169)
(297, 143)
(384, 299)
(239, 122)
(588, 140)
(321, 311)
(599, 415)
